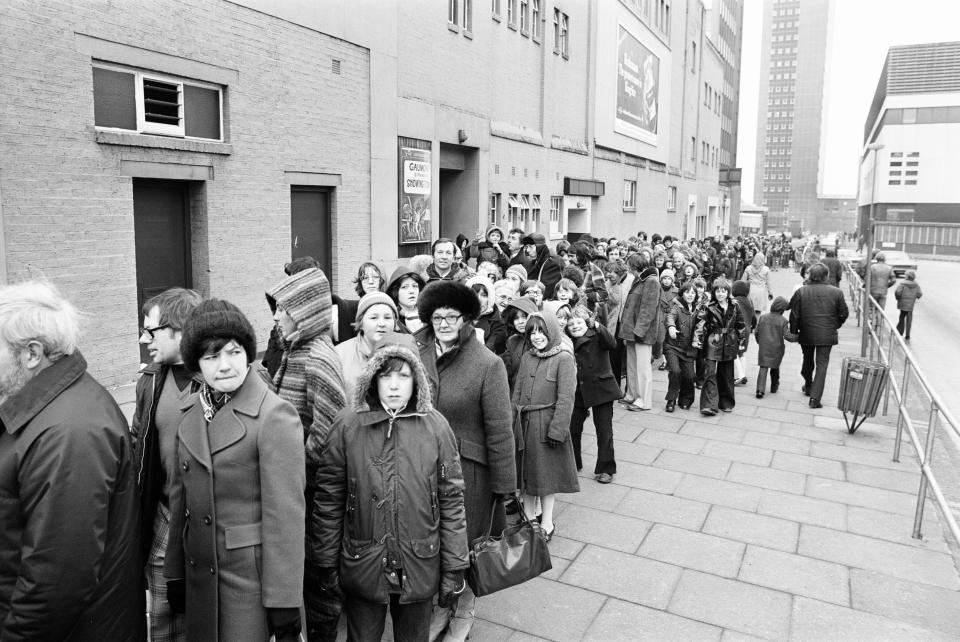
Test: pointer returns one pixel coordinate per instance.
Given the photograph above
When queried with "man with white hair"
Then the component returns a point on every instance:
(70, 547)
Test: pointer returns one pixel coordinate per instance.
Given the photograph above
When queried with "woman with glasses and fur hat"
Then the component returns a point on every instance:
(238, 515)
(543, 405)
(469, 385)
(389, 504)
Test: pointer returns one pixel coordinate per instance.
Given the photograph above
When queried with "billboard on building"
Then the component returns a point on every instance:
(638, 88)
(415, 190)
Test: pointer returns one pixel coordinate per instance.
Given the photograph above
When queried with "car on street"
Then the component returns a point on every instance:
(849, 255)
(900, 262)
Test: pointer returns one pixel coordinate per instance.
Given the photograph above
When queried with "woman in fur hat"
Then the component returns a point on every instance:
(470, 390)
(244, 547)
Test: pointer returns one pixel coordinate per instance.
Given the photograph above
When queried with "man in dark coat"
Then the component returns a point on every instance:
(833, 265)
(817, 310)
(69, 558)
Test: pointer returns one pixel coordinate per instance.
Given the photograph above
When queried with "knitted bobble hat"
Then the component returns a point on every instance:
(374, 298)
(519, 270)
(215, 319)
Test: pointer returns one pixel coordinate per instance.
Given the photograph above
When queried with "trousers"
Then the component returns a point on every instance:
(905, 323)
(762, 379)
(640, 374)
(366, 620)
(603, 423)
(717, 393)
(680, 378)
(814, 368)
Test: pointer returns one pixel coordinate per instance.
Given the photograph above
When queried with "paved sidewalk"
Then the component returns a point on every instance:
(771, 522)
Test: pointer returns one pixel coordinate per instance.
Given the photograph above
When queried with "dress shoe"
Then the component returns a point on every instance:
(759, 394)
(604, 478)
(709, 412)
(742, 381)
(815, 403)
(625, 401)
(548, 535)
(633, 407)
(671, 405)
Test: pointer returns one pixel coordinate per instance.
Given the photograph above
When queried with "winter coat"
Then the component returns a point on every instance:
(147, 466)
(70, 562)
(547, 269)
(759, 280)
(390, 493)
(817, 311)
(458, 272)
(470, 389)
(543, 405)
(835, 273)
(486, 250)
(741, 292)
(720, 332)
(881, 278)
(238, 513)
(684, 319)
(515, 341)
(353, 355)
(642, 315)
(772, 329)
(907, 294)
(596, 384)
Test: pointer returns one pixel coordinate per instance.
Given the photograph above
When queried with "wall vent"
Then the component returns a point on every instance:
(335, 66)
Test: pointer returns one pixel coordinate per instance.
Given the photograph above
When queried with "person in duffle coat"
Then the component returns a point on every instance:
(236, 553)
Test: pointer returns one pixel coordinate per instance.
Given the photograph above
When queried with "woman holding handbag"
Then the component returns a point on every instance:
(543, 405)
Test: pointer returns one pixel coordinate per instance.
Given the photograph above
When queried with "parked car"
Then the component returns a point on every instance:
(900, 262)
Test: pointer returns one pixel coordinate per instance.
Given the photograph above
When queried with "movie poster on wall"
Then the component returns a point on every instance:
(638, 89)
(415, 190)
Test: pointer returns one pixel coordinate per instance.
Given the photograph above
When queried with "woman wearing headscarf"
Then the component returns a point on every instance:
(470, 389)
(238, 513)
(757, 275)
(543, 405)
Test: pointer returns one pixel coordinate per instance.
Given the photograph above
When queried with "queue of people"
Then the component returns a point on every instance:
(347, 471)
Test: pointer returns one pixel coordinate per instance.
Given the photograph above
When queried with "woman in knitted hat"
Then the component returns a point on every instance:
(469, 385)
(245, 543)
(376, 316)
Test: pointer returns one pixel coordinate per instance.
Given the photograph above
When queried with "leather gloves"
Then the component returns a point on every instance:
(553, 443)
(177, 595)
(452, 585)
(330, 580)
(284, 624)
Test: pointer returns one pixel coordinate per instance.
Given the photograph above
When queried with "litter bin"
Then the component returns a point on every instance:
(861, 386)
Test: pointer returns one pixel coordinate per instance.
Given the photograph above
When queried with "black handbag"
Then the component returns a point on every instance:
(519, 554)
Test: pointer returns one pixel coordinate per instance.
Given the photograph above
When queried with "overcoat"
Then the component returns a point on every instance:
(817, 311)
(642, 316)
(469, 385)
(595, 381)
(720, 332)
(684, 319)
(237, 513)
(543, 403)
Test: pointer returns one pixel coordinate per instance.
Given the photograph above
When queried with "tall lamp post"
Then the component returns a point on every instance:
(865, 298)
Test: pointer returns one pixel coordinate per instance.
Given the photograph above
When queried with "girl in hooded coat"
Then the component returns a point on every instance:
(543, 405)
(772, 329)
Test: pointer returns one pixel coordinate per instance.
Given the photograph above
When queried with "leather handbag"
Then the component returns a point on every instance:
(519, 554)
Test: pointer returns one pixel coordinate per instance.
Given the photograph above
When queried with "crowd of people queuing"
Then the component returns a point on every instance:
(347, 470)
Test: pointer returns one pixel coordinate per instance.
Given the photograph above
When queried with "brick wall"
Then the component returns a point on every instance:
(68, 212)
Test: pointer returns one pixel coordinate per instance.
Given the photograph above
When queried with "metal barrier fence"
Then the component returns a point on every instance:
(920, 410)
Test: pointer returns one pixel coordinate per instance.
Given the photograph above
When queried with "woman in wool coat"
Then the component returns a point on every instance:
(640, 328)
(543, 405)
(236, 551)
(470, 389)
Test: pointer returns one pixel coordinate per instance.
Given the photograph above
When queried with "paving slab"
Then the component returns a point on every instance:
(596, 495)
(752, 528)
(859, 456)
(723, 493)
(765, 477)
(781, 443)
(860, 495)
(802, 509)
(817, 435)
(671, 441)
(816, 621)
(484, 630)
(711, 431)
(657, 420)
(603, 528)
(828, 468)
(920, 604)
(730, 635)
(630, 451)
(878, 555)
(738, 452)
(896, 528)
(696, 464)
(664, 509)
(733, 605)
(901, 481)
(796, 574)
(551, 610)
(623, 576)
(658, 480)
(785, 416)
(564, 548)
(698, 551)
(623, 621)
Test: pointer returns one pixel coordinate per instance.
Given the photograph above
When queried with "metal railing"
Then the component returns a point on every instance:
(920, 410)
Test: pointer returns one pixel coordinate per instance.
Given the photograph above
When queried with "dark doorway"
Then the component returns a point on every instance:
(161, 228)
(310, 225)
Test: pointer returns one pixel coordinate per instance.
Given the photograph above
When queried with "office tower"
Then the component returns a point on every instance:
(725, 31)
(796, 35)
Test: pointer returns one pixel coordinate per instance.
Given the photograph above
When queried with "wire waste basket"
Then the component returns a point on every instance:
(861, 387)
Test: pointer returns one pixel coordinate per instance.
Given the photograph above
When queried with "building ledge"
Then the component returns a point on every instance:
(570, 145)
(162, 142)
(503, 129)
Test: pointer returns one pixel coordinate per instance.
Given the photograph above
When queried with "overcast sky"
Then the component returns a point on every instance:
(864, 30)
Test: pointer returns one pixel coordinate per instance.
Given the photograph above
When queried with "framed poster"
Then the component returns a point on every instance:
(638, 88)
(415, 190)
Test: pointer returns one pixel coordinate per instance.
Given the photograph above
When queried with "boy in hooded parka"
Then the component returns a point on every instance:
(389, 506)
(310, 377)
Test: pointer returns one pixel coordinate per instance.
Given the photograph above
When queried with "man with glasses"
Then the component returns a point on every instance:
(164, 384)
(445, 266)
